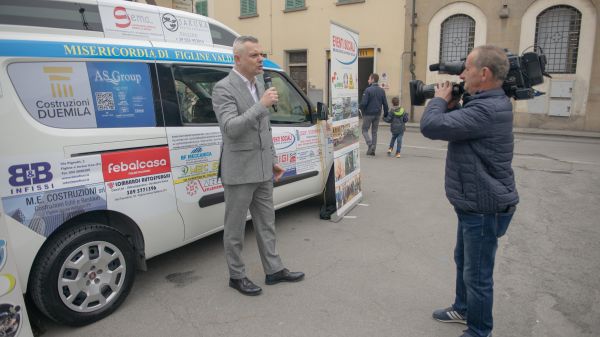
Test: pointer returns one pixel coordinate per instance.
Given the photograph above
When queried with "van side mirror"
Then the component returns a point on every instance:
(322, 111)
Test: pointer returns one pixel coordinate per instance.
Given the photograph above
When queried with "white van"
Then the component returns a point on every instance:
(110, 146)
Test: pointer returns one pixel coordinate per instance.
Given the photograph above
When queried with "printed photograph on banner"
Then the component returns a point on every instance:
(44, 212)
(347, 190)
(122, 94)
(344, 108)
(130, 23)
(346, 163)
(56, 94)
(345, 134)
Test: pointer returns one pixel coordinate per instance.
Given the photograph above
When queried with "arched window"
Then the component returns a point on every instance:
(557, 33)
(457, 37)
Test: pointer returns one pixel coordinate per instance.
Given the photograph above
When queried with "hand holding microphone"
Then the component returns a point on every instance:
(270, 96)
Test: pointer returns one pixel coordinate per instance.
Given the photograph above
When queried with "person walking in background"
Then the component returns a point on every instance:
(248, 165)
(480, 182)
(372, 101)
(397, 118)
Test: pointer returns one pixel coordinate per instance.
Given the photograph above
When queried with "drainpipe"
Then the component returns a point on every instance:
(403, 100)
(412, 54)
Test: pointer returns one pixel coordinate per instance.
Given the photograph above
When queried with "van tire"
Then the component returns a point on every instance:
(98, 279)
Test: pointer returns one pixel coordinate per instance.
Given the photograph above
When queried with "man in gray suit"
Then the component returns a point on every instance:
(248, 165)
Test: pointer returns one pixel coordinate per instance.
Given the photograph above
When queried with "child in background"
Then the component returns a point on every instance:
(398, 118)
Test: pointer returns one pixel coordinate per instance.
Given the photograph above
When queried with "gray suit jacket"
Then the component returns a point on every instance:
(247, 151)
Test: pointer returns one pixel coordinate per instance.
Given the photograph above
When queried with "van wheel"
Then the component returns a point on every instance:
(83, 274)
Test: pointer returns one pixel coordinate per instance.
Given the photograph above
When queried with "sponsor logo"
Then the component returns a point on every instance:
(27, 178)
(135, 163)
(345, 48)
(120, 14)
(196, 154)
(170, 22)
(283, 141)
(210, 184)
(59, 81)
(116, 77)
(29, 174)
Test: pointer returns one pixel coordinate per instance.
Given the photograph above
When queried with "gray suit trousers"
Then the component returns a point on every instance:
(258, 198)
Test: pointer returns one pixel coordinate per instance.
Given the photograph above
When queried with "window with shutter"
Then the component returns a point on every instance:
(202, 7)
(294, 4)
(248, 7)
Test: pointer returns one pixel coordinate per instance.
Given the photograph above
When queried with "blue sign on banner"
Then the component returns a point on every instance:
(122, 94)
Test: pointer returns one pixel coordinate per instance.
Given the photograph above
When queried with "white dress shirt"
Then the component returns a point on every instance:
(250, 85)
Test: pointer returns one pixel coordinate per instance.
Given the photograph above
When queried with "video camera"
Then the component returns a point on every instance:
(524, 72)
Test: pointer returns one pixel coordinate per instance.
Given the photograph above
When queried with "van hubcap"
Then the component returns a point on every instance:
(92, 276)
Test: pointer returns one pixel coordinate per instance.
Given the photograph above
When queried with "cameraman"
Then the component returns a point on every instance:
(479, 180)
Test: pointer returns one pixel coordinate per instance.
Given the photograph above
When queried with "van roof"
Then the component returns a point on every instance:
(111, 29)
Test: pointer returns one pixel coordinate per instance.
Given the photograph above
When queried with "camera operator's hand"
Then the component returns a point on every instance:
(453, 103)
(444, 90)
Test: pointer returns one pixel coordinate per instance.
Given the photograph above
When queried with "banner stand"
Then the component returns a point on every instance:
(345, 124)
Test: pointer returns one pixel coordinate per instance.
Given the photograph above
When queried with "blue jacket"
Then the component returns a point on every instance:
(479, 176)
(372, 100)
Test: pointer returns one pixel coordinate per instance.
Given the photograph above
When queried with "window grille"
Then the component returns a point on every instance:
(247, 7)
(294, 4)
(557, 32)
(297, 63)
(457, 38)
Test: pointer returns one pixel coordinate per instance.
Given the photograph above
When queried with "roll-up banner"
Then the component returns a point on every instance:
(344, 116)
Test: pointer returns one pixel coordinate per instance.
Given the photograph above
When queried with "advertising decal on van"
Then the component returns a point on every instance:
(112, 51)
(45, 194)
(153, 23)
(134, 174)
(122, 94)
(85, 94)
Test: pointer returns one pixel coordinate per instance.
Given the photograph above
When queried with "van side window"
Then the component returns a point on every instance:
(221, 36)
(292, 107)
(194, 91)
(54, 14)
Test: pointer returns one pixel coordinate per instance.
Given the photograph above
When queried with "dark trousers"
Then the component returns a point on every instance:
(370, 121)
(475, 252)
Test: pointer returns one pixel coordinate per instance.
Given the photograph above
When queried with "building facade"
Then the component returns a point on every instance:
(295, 34)
(399, 39)
(566, 31)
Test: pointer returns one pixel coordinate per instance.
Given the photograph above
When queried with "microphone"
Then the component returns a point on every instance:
(268, 84)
